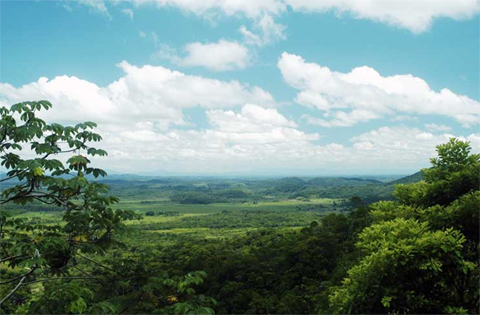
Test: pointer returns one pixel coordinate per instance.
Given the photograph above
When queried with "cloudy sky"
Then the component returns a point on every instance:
(251, 87)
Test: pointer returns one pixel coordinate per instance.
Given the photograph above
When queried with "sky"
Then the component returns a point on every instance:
(251, 87)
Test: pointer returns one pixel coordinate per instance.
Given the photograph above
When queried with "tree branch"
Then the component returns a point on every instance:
(16, 278)
(99, 264)
(10, 258)
(13, 176)
(60, 278)
(13, 291)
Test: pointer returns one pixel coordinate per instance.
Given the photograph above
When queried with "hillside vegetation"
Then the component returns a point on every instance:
(230, 246)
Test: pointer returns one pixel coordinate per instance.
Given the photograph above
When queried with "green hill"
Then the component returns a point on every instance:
(414, 178)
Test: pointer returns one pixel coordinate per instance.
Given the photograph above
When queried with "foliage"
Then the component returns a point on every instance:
(127, 282)
(421, 253)
(193, 198)
(406, 268)
(89, 223)
(218, 190)
(261, 270)
(257, 246)
(240, 219)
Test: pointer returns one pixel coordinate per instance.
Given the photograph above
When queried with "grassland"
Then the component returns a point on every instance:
(173, 222)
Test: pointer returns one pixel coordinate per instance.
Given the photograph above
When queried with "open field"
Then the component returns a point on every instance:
(165, 206)
(171, 221)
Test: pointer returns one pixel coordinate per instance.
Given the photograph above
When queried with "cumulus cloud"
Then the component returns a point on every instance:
(436, 127)
(220, 56)
(415, 15)
(235, 141)
(251, 119)
(404, 118)
(368, 95)
(237, 144)
(145, 93)
(141, 118)
(403, 145)
(342, 119)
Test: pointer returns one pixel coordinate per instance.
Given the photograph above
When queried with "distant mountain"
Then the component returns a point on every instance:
(288, 184)
(363, 180)
(291, 180)
(136, 178)
(414, 178)
(341, 181)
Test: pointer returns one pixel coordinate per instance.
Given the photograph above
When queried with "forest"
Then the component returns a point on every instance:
(74, 240)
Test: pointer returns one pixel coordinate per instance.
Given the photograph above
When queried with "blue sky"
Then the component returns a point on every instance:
(259, 89)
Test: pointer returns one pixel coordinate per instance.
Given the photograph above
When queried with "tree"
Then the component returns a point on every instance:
(421, 253)
(89, 223)
(454, 172)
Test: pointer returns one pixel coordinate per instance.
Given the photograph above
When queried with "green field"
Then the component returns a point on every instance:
(212, 221)
(165, 205)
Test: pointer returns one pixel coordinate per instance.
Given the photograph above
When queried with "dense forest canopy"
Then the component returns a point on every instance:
(284, 246)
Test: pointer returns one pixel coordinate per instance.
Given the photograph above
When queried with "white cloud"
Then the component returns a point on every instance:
(415, 15)
(402, 145)
(141, 118)
(342, 119)
(436, 127)
(363, 90)
(235, 143)
(138, 115)
(129, 13)
(269, 32)
(404, 118)
(208, 8)
(251, 119)
(220, 56)
(145, 93)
